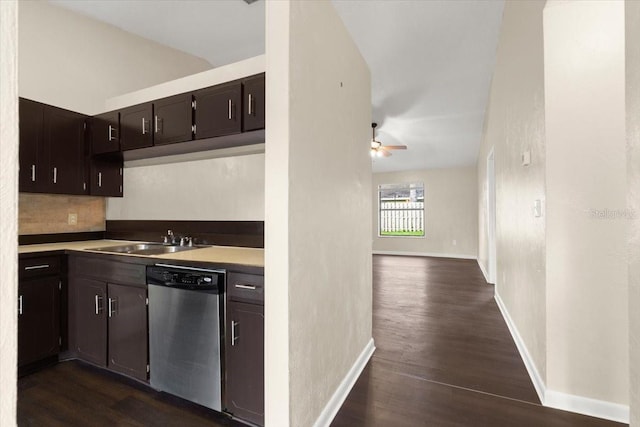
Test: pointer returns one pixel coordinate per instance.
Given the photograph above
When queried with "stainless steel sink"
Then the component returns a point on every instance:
(145, 249)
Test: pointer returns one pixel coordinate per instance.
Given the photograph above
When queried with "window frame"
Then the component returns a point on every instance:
(423, 211)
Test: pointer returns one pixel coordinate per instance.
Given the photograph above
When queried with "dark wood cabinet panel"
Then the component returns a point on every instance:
(109, 320)
(128, 330)
(105, 133)
(245, 361)
(173, 119)
(31, 116)
(136, 127)
(106, 176)
(218, 110)
(89, 306)
(38, 319)
(64, 141)
(245, 287)
(52, 149)
(253, 103)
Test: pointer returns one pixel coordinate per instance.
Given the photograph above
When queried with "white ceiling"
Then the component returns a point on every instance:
(431, 61)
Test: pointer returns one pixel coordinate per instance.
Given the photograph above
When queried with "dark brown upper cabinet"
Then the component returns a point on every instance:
(218, 110)
(64, 141)
(173, 119)
(136, 127)
(253, 103)
(105, 133)
(32, 163)
(53, 148)
(106, 175)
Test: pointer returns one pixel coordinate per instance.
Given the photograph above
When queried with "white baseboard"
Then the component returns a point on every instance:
(484, 272)
(555, 399)
(335, 403)
(431, 254)
(587, 406)
(538, 383)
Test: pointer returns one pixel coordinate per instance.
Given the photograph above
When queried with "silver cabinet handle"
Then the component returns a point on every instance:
(97, 305)
(20, 305)
(156, 123)
(111, 137)
(250, 102)
(33, 173)
(233, 333)
(55, 175)
(36, 267)
(250, 287)
(230, 109)
(112, 305)
(99, 179)
(144, 130)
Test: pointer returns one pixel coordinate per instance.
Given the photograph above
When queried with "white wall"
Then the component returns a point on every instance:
(8, 209)
(587, 308)
(317, 213)
(632, 46)
(514, 124)
(451, 213)
(221, 189)
(75, 62)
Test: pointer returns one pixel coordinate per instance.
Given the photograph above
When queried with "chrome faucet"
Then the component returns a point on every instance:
(186, 241)
(169, 239)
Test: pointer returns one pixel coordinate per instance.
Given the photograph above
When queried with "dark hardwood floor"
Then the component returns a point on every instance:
(444, 354)
(77, 394)
(444, 358)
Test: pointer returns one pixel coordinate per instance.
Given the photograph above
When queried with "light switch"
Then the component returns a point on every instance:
(537, 208)
(526, 158)
(72, 219)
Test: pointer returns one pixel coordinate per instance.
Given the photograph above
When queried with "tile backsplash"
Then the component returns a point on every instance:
(49, 213)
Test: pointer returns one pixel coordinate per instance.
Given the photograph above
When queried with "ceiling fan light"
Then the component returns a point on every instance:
(379, 153)
(372, 152)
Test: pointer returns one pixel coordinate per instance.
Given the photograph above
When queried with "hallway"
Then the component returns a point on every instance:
(444, 354)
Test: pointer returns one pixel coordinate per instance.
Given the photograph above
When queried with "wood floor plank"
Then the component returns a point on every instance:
(444, 354)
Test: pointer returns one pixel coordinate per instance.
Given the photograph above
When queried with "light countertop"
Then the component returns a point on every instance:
(214, 254)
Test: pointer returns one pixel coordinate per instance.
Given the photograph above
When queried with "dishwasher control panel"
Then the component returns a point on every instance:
(186, 277)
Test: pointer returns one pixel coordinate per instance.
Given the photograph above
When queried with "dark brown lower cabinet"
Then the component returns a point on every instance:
(88, 298)
(245, 361)
(128, 330)
(108, 321)
(38, 319)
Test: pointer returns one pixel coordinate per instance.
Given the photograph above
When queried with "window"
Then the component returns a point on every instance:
(401, 210)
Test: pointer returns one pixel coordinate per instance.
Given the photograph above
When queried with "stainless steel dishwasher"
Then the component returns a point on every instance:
(186, 308)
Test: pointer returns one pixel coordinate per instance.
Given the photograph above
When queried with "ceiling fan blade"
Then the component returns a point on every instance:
(385, 153)
(395, 147)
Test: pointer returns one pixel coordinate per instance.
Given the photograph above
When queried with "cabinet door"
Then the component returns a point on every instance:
(136, 127)
(88, 305)
(105, 133)
(106, 176)
(31, 116)
(38, 319)
(218, 110)
(173, 119)
(64, 142)
(253, 104)
(245, 361)
(128, 352)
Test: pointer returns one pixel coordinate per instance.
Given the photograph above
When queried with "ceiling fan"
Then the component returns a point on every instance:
(379, 150)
